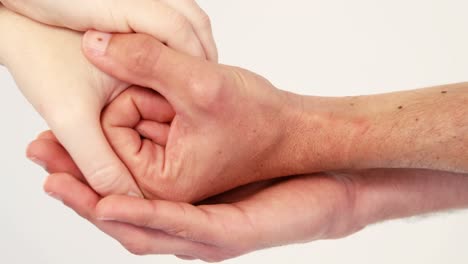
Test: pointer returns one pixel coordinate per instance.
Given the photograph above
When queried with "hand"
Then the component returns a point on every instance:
(69, 92)
(181, 24)
(262, 215)
(230, 126)
(248, 219)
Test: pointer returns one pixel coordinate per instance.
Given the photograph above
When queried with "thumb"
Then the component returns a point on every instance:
(144, 61)
(86, 143)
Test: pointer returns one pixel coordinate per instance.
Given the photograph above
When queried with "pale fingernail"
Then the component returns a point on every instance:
(103, 218)
(134, 194)
(96, 42)
(38, 162)
(55, 196)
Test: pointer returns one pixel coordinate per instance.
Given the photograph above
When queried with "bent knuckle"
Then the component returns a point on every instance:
(208, 90)
(204, 21)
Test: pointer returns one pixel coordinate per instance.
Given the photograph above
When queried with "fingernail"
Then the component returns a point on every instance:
(55, 196)
(134, 194)
(96, 42)
(103, 218)
(38, 162)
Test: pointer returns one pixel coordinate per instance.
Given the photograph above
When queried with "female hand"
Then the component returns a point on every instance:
(69, 93)
(181, 24)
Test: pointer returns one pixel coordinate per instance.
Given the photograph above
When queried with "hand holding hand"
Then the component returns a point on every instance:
(69, 93)
(180, 24)
(228, 126)
(267, 214)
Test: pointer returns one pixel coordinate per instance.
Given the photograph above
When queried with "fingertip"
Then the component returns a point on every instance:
(48, 134)
(34, 154)
(54, 183)
(95, 43)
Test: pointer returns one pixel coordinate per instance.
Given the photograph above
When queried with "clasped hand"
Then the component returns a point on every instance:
(227, 162)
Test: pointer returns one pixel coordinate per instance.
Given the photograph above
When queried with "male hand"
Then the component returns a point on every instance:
(228, 126)
(181, 24)
(267, 214)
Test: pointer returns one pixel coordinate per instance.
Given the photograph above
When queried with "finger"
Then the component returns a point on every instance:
(54, 157)
(83, 200)
(48, 134)
(172, 27)
(182, 257)
(139, 112)
(83, 137)
(135, 104)
(178, 219)
(156, 132)
(72, 193)
(110, 209)
(145, 61)
(200, 22)
(148, 16)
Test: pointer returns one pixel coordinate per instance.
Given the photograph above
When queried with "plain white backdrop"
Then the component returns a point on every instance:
(320, 47)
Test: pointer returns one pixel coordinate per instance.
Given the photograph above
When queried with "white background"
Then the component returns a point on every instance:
(320, 47)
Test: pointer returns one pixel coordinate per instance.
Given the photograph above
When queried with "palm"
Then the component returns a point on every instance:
(253, 216)
(260, 215)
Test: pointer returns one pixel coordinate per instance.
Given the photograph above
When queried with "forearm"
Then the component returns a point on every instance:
(425, 128)
(386, 194)
(420, 129)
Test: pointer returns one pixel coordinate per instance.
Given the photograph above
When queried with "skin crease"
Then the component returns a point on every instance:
(181, 24)
(369, 123)
(72, 98)
(343, 203)
(270, 132)
(256, 134)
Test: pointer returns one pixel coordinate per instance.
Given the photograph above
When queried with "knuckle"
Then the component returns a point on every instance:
(204, 21)
(208, 90)
(145, 56)
(180, 24)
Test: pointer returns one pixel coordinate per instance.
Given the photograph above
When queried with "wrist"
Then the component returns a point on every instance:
(321, 134)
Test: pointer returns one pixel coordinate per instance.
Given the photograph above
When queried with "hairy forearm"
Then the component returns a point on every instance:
(419, 129)
(385, 194)
(425, 128)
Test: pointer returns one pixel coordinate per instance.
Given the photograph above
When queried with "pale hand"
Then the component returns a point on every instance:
(181, 24)
(69, 93)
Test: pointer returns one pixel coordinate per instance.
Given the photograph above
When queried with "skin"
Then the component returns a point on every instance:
(74, 89)
(257, 131)
(181, 24)
(69, 94)
(241, 220)
(296, 135)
